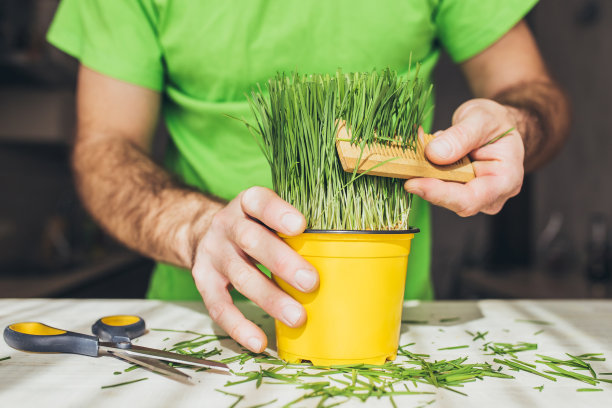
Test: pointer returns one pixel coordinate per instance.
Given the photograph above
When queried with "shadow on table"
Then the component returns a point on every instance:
(414, 313)
(251, 311)
(439, 313)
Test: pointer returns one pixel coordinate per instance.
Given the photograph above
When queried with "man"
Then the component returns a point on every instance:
(194, 61)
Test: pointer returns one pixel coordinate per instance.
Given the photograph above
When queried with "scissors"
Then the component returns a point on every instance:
(113, 336)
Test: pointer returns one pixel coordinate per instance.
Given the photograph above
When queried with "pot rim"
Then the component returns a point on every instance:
(412, 230)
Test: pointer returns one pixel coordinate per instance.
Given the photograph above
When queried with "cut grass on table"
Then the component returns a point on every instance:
(478, 335)
(334, 385)
(509, 348)
(454, 347)
(238, 396)
(123, 383)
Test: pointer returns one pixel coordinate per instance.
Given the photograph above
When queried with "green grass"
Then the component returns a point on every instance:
(411, 374)
(297, 119)
(123, 383)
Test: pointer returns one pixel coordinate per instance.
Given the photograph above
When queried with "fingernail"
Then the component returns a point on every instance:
(291, 314)
(305, 279)
(414, 190)
(292, 222)
(441, 147)
(254, 344)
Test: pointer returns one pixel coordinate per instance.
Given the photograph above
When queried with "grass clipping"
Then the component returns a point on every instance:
(297, 119)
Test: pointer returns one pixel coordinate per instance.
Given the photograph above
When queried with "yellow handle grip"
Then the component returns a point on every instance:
(40, 338)
(120, 320)
(119, 328)
(36, 329)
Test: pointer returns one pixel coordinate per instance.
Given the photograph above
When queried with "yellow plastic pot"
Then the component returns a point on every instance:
(355, 314)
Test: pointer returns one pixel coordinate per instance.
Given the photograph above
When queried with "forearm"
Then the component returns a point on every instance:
(542, 114)
(138, 202)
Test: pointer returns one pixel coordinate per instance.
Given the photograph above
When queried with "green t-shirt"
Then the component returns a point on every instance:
(204, 56)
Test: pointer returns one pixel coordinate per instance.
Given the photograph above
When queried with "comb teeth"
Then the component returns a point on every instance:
(406, 164)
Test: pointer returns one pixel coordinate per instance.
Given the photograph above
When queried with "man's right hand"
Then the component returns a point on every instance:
(241, 235)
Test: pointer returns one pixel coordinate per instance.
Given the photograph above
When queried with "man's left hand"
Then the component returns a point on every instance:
(498, 166)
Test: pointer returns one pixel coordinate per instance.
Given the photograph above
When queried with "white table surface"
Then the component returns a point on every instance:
(577, 327)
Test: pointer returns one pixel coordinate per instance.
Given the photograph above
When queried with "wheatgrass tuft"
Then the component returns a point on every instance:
(297, 120)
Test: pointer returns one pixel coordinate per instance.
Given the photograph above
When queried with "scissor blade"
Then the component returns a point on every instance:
(139, 351)
(156, 366)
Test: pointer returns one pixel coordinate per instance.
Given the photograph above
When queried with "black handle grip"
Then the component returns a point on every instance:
(40, 338)
(119, 328)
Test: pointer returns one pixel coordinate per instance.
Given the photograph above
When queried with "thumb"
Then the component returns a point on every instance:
(457, 141)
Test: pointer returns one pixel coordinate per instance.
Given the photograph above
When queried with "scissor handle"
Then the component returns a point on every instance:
(40, 338)
(119, 328)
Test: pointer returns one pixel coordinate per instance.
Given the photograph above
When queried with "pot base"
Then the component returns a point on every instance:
(326, 362)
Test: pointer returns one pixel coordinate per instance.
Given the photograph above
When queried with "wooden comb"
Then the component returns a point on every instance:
(406, 164)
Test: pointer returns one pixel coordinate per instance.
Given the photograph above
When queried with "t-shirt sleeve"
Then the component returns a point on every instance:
(467, 27)
(117, 38)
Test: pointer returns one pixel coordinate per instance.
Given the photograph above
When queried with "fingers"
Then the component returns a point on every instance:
(509, 149)
(253, 284)
(457, 141)
(224, 256)
(266, 206)
(264, 246)
(268, 249)
(214, 290)
(498, 166)
(486, 193)
(473, 123)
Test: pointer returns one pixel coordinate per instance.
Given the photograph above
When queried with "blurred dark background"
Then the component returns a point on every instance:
(552, 241)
